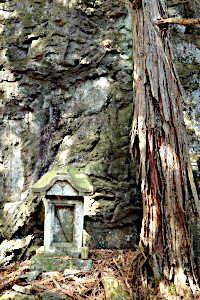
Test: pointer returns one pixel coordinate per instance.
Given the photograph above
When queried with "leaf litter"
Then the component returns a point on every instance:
(127, 266)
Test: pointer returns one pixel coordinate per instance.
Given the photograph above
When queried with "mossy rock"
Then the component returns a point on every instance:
(11, 295)
(124, 115)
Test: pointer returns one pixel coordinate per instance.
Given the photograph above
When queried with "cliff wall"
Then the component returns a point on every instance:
(66, 99)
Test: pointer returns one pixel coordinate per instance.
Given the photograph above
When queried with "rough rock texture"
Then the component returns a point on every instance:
(43, 296)
(66, 99)
(13, 249)
(186, 44)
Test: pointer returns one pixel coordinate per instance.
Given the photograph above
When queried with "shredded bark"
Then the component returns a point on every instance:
(159, 142)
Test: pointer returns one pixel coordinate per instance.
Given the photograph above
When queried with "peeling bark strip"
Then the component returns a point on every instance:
(158, 138)
(185, 22)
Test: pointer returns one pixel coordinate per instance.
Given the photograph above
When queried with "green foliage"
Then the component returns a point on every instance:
(172, 289)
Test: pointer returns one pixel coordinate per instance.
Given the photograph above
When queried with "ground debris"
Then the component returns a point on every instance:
(81, 285)
(125, 267)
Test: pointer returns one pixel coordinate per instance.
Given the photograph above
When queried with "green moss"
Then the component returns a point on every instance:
(96, 167)
(125, 114)
(27, 20)
(185, 70)
(172, 289)
(78, 179)
(197, 115)
(84, 145)
(190, 131)
(12, 295)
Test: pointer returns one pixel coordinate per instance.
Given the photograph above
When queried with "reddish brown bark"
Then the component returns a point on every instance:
(158, 138)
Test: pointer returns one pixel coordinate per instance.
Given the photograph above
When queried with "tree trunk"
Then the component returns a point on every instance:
(158, 140)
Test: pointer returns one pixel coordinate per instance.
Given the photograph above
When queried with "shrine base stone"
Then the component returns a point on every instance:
(45, 263)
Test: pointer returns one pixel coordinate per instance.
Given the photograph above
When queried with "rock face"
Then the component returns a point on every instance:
(186, 44)
(66, 100)
(13, 249)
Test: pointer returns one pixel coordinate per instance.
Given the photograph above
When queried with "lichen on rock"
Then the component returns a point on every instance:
(65, 101)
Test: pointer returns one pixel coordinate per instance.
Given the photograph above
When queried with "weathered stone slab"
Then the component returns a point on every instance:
(29, 276)
(52, 296)
(63, 227)
(69, 272)
(77, 179)
(16, 296)
(23, 289)
(44, 263)
(43, 296)
(114, 289)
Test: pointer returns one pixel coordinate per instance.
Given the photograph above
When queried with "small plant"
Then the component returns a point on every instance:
(172, 289)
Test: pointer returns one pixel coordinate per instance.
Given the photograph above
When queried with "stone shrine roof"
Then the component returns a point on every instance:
(77, 179)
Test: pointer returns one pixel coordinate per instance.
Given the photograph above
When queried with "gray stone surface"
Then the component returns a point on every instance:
(115, 289)
(69, 272)
(63, 226)
(54, 274)
(22, 289)
(42, 296)
(62, 190)
(66, 100)
(16, 296)
(186, 46)
(52, 296)
(13, 249)
(29, 276)
(44, 263)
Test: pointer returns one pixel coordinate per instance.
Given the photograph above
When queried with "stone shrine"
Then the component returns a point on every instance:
(63, 191)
